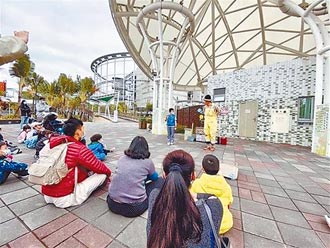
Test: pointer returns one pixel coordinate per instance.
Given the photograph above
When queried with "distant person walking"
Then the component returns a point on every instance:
(25, 113)
(171, 124)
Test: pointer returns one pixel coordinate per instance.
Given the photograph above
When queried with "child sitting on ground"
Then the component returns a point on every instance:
(22, 136)
(43, 140)
(97, 147)
(212, 183)
(7, 165)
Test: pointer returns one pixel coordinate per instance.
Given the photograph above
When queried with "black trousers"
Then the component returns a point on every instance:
(137, 208)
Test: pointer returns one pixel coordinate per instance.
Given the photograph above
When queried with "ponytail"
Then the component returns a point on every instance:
(175, 217)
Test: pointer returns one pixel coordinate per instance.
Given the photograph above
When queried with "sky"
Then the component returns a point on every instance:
(65, 35)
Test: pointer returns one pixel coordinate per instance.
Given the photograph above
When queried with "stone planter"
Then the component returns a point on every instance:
(13, 121)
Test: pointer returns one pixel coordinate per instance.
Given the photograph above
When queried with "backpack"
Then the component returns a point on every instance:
(50, 168)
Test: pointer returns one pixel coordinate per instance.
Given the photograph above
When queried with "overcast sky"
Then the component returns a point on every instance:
(65, 35)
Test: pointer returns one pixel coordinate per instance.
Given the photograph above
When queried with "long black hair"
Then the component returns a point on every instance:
(175, 218)
(138, 149)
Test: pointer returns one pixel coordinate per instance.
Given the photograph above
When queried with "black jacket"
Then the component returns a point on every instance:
(25, 109)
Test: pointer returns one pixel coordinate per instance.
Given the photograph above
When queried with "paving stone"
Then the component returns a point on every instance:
(292, 186)
(1, 204)
(18, 195)
(313, 217)
(130, 237)
(71, 243)
(268, 182)
(261, 227)
(236, 213)
(289, 217)
(92, 209)
(54, 225)
(64, 233)
(316, 190)
(118, 223)
(244, 193)
(236, 238)
(325, 238)
(116, 244)
(93, 237)
(322, 199)
(234, 190)
(5, 214)
(258, 197)
(41, 216)
(26, 241)
(322, 227)
(235, 204)
(11, 230)
(273, 191)
(256, 208)
(300, 196)
(12, 186)
(253, 241)
(299, 237)
(265, 176)
(28, 205)
(311, 208)
(280, 202)
(237, 224)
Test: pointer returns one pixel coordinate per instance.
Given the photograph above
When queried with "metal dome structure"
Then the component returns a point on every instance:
(228, 35)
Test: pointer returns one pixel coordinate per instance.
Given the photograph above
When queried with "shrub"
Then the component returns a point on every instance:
(180, 128)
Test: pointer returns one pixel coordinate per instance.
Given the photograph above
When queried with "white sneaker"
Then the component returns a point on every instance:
(169, 143)
(172, 143)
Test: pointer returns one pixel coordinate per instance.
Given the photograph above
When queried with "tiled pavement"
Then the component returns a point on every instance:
(280, 197)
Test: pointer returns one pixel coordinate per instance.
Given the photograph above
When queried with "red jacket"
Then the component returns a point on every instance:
(77, 155)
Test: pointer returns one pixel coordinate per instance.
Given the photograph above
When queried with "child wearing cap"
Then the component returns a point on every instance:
(211, 183)
(97, 147)
(211, 113)
(7, 165)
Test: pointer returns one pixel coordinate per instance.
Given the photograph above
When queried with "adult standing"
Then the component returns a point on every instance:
(25, 113)
(211, 113)
(41, 109)
(13, 47)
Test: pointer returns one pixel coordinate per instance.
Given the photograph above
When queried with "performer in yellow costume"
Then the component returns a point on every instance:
(211, 113)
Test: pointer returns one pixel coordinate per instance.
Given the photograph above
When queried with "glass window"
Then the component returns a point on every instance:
(306, 107)
(219, 94)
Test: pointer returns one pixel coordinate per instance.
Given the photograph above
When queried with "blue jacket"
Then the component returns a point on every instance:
(98, 149)
(170, 120)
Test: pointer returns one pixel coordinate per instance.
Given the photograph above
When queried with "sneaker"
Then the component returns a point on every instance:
(169, 143)
(172, 143)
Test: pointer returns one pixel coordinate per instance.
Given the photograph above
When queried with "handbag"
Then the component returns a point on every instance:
(222, 242)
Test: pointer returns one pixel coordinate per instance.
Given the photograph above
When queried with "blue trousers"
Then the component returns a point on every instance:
(170, 134)
(24, 121)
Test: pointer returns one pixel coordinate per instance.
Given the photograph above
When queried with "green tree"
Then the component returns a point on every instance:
(33, 82)
(86, 88)
(22, 68)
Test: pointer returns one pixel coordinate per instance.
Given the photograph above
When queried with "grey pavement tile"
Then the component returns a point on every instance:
(316, 190)
(12, 186)
(264, 176)
(118, 223)
(261, 227)
(322, 199)
(280, 202)
(268, 182)
(300, 196)
(234, 190)
(116, 244)
(289, 217)
(273, 191)
(292, 186)
(5, 214)
(135, 235)
(286, 179)
(253, 241)
(41, 216)
(11, 230)
(310, 208)
(91, 209)
(236, 203)
(256, 208)
(18, 195)
(299, 237)
(1, 204)
(28, 205)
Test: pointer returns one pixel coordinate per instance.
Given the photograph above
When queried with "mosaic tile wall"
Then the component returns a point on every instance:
(276, 86)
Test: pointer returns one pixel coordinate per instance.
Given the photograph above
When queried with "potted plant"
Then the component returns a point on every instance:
(142, 122)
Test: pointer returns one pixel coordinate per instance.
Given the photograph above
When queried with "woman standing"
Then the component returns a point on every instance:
(25, 113)
(129, 190)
